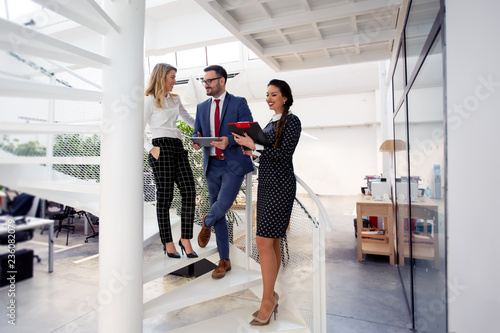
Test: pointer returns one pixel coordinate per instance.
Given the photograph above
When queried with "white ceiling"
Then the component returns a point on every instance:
(300, 34)
(287, 35)
(292, 36)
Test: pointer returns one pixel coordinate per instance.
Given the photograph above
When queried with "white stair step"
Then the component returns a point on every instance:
(238, 321)
(48, 159)
(22, 128)
(161, 265)
(64, 186)
(17, 39)
(150, 224)
(85, 12)
(29, 89)
(202, 289)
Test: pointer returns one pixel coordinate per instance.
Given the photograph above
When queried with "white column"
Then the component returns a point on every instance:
(385, 117)
(121, 203)
(473, 98)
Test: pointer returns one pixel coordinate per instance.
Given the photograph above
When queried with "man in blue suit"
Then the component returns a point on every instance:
(224, 164)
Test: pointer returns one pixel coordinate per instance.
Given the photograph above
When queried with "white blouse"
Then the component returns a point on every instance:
(163, 122)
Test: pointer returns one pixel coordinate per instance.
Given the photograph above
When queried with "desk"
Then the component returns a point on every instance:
(425, 245)
(383, 245)
(33, 223)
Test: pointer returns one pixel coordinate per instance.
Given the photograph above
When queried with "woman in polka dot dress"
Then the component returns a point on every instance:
(276, 190)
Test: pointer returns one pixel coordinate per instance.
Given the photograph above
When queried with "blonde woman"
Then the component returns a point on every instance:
(168, 158)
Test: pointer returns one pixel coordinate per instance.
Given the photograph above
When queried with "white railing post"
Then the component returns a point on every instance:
(319, 268)
(319, 280)
(248, 213)
(120, 295)
(322, 278)
(316, 281)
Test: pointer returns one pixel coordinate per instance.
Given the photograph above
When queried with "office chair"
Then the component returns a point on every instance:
(58, 212)
(18, 205)
(68, 215)
(91, 220)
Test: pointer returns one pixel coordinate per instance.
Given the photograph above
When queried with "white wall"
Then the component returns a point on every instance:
(473, 91)
(338, 146)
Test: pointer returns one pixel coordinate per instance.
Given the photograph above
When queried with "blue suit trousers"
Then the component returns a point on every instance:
(223, 187)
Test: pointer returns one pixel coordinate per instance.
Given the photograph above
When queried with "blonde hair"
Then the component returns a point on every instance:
(156, 86)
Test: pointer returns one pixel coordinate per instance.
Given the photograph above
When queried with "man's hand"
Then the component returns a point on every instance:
(222, 144)
(195, 145)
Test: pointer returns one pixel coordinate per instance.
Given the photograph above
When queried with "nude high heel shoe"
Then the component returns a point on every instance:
(276, 297)
(262, 322)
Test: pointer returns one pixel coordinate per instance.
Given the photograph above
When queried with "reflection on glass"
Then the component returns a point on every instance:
(420, 20)
(168, 58)
(426, 136)
(252, 55)
(192, 58)
(402, 194)
(223, 53)
(399, 79)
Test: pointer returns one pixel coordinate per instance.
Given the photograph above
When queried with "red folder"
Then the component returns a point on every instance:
(252, 128)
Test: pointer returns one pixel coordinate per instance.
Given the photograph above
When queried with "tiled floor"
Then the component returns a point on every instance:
(361, 296)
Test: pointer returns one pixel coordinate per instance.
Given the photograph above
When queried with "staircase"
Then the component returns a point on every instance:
(205, 289)
(59, 177)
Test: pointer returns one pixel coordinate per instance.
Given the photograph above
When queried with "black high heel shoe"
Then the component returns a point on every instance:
(175, 255)
(189, 255)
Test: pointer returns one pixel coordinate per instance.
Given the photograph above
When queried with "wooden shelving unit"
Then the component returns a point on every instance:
(425, 244)
(379, 244)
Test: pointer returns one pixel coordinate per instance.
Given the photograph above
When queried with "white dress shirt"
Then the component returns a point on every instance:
(163, 122)
(212, 116)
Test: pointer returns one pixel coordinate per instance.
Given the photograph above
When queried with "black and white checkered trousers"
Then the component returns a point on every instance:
(172, 166)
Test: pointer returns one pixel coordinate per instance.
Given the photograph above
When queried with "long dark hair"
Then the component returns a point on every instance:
(286, 92)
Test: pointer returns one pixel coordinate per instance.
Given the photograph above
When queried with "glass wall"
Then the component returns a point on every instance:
(401, 197)
(426, 138)
(420, 170)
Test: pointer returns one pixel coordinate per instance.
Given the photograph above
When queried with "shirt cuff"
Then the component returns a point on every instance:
(148, 146)
(259, 147)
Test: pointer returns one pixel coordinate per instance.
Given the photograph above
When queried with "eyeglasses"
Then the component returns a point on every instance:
(208, 81)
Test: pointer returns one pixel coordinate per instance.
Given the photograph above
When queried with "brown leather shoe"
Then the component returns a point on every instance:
(220, 271)
(204, 235)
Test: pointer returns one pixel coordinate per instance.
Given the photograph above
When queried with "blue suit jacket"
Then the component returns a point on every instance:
(234, 109)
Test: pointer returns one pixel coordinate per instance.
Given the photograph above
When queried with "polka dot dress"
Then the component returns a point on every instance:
(277, 184)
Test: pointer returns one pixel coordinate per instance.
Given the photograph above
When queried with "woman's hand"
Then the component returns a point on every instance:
(244, 140)
(155, 152)
(247, 152)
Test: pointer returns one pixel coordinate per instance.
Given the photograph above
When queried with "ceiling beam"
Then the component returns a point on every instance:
(354, 24)
(334, 61)
(215, 9)
(316, 30)
(306, 5)
(263, 8)
(283, 37)
(380, 36)
(324, 14)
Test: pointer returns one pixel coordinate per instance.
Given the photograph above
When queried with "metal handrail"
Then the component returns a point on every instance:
(322, 211)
